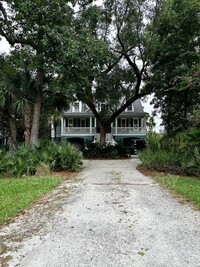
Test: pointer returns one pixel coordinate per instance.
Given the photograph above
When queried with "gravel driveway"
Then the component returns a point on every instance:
(111, 215)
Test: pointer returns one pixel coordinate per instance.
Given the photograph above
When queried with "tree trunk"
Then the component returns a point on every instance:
(13, 131)
(36, 120)
(103, 130)
(27, 123)
(37, 107)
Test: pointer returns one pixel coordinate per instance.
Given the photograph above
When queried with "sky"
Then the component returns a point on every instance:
(4, 47)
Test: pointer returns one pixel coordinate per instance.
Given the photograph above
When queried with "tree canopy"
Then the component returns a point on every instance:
(176, 63)
(112, 53)
(115, 43)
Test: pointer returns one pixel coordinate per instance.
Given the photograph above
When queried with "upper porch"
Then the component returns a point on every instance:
(89, 126)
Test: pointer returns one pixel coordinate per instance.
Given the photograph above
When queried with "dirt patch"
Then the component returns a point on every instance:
(148, 172)
(66, 175)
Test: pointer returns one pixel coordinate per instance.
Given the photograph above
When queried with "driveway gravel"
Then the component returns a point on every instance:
(110, 215)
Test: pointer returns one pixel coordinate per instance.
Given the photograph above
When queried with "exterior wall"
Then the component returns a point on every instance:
(120, 139)
(86, 138)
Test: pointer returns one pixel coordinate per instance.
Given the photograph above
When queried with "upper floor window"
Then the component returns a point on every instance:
(76, 106)
(130, 108)
(100, 106)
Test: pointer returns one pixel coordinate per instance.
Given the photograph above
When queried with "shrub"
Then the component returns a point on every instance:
(96, 150)
(93, 150)
(178, 154)
(22, 162)
(61, 156)
(26, 160)
(123, 151)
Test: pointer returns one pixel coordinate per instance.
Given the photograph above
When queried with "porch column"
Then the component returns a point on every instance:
(142, 125)
(90, 125)
(52, 132)
(80, 106)
(62, 125)
(116, 125)
(144, 122)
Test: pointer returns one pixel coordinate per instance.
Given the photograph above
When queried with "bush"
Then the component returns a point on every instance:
(93, 150)
(96, 150)
(26, 160)
(178, 154)
(23, 161)
(123, 151)
(61, 156)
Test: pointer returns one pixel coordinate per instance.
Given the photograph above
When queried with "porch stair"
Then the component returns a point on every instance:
(97, 138)
(109, 137)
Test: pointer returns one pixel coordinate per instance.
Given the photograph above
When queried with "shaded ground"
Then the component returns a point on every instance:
(110, 215)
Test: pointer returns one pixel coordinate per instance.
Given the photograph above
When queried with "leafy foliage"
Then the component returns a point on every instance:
(115, 53)
(177, 154)
(27, 159)
(96, 150)
(175, 63)
(62, 156)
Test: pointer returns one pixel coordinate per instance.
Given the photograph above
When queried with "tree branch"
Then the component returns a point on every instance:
(93, 109)
(112, 65)
(10, 36)
(123, 107)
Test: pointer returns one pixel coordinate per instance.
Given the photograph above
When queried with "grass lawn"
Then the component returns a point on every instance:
(188, 187)
(17, 194)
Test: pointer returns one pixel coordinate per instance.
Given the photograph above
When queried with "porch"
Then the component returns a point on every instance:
(94, 130)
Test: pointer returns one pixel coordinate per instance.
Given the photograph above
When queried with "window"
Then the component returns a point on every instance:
(98, 107)
(101, 106)
(76, 106)
(129, 108)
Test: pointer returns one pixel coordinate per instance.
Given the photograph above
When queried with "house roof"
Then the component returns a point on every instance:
(85, 110)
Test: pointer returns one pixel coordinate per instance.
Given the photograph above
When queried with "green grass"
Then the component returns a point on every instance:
(17, 194)
(188, 187)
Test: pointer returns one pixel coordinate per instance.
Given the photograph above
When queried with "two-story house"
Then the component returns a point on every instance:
(79, 125)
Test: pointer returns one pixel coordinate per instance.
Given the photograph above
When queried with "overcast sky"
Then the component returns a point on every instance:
(4, 47)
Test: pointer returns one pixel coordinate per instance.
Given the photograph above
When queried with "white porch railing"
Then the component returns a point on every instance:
(128, 130)
(79, 130)
(114, 130)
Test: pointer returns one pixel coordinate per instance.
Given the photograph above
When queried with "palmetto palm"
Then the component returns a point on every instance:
(15, 98)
